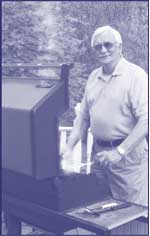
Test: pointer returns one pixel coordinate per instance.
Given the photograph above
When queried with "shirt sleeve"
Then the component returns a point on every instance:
(139, 96)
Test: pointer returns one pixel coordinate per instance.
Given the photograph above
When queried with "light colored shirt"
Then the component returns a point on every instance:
(113, 104)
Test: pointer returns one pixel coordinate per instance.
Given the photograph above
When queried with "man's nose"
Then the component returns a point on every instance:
(103, 49)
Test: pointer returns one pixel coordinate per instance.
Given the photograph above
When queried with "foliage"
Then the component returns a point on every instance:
(39, 31)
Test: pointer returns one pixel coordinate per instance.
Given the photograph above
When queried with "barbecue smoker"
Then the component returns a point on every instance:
(30, 145)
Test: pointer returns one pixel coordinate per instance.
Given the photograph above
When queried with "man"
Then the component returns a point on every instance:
(115, 106)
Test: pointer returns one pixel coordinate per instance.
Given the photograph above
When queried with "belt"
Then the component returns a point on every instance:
(110, 143)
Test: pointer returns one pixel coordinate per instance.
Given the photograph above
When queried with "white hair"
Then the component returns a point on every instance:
(103, 29)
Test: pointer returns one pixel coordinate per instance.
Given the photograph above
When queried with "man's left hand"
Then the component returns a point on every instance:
(108, 157)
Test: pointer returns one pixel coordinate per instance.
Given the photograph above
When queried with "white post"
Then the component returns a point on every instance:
(77, 148)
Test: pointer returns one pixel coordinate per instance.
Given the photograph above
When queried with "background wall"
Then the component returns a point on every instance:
(43, 32)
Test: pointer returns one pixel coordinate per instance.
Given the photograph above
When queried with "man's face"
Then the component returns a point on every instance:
(106, 48)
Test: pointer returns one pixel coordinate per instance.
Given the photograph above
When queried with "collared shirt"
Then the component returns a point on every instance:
(113, 104)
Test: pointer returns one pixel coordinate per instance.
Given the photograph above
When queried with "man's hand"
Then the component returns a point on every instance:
(107, 157)
(67, 153)
(67, 159)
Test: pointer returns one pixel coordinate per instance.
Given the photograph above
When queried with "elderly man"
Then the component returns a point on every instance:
(115, 106)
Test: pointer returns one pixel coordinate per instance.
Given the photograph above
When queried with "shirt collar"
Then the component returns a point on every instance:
(117, 72)
(119, 67)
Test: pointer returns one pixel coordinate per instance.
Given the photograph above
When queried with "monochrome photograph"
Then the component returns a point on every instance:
(75, 118)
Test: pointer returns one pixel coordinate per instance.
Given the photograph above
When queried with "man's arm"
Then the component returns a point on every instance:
(77, 134)
(139, 106)
(79, 129)
(139, 132)
(137, 135)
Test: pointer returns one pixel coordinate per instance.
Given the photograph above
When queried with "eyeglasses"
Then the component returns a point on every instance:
(109, 46)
